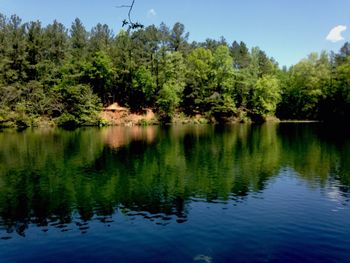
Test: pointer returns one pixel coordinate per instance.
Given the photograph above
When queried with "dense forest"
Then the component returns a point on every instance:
(65, 76)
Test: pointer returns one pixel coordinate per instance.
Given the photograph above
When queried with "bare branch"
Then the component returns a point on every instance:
(122, 6)
(130, 23)
(132, 5)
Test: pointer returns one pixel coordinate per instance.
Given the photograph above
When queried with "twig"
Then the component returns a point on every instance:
(132, 25)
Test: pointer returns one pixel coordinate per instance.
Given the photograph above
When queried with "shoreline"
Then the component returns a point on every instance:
(143, 122)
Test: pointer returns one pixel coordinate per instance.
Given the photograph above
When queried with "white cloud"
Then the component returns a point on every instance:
(335, 34)
(151, 13)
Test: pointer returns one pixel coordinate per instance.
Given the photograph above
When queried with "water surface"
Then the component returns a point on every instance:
(241, 193)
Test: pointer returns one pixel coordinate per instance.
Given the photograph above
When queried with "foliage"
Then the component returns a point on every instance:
(173, 77)
(308, 85)
(99, 73)
(266, 96)
(199, 80)
(80, 105)
(143, 89)
(54, 73)
(167, 102)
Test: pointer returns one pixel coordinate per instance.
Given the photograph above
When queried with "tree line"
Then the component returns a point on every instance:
(51, 74)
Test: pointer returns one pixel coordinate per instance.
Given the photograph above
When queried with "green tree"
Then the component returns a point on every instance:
(167, 102)
(100, 38)
(335, 105)
(220, 98)
(78, 40)
(55, 46)
(79, 105)
(308, 82)
(240, 55)
(143, 89)
(199, 80)
(13, 64)
(266, 96)
(99, 73)
(174, 74)
(178, 38)
(34, 49)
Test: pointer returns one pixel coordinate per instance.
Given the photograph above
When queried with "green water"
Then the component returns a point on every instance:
(187, 193)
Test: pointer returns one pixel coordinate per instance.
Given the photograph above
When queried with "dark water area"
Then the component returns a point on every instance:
(240, 193)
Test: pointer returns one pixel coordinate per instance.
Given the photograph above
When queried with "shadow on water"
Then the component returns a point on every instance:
(56, 178)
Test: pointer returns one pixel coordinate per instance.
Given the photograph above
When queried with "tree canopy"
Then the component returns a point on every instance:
(65, 76)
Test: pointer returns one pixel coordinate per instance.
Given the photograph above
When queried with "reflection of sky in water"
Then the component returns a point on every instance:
(335, 195)
(294, 225)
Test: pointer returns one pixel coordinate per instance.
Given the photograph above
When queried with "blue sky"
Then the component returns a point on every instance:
(287, 30)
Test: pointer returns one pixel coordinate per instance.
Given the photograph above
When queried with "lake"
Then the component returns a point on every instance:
(239, 193)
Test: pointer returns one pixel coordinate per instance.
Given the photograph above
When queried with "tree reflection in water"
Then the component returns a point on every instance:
(56, 178)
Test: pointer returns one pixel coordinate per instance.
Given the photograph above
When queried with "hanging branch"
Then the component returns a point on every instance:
(129, 22)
